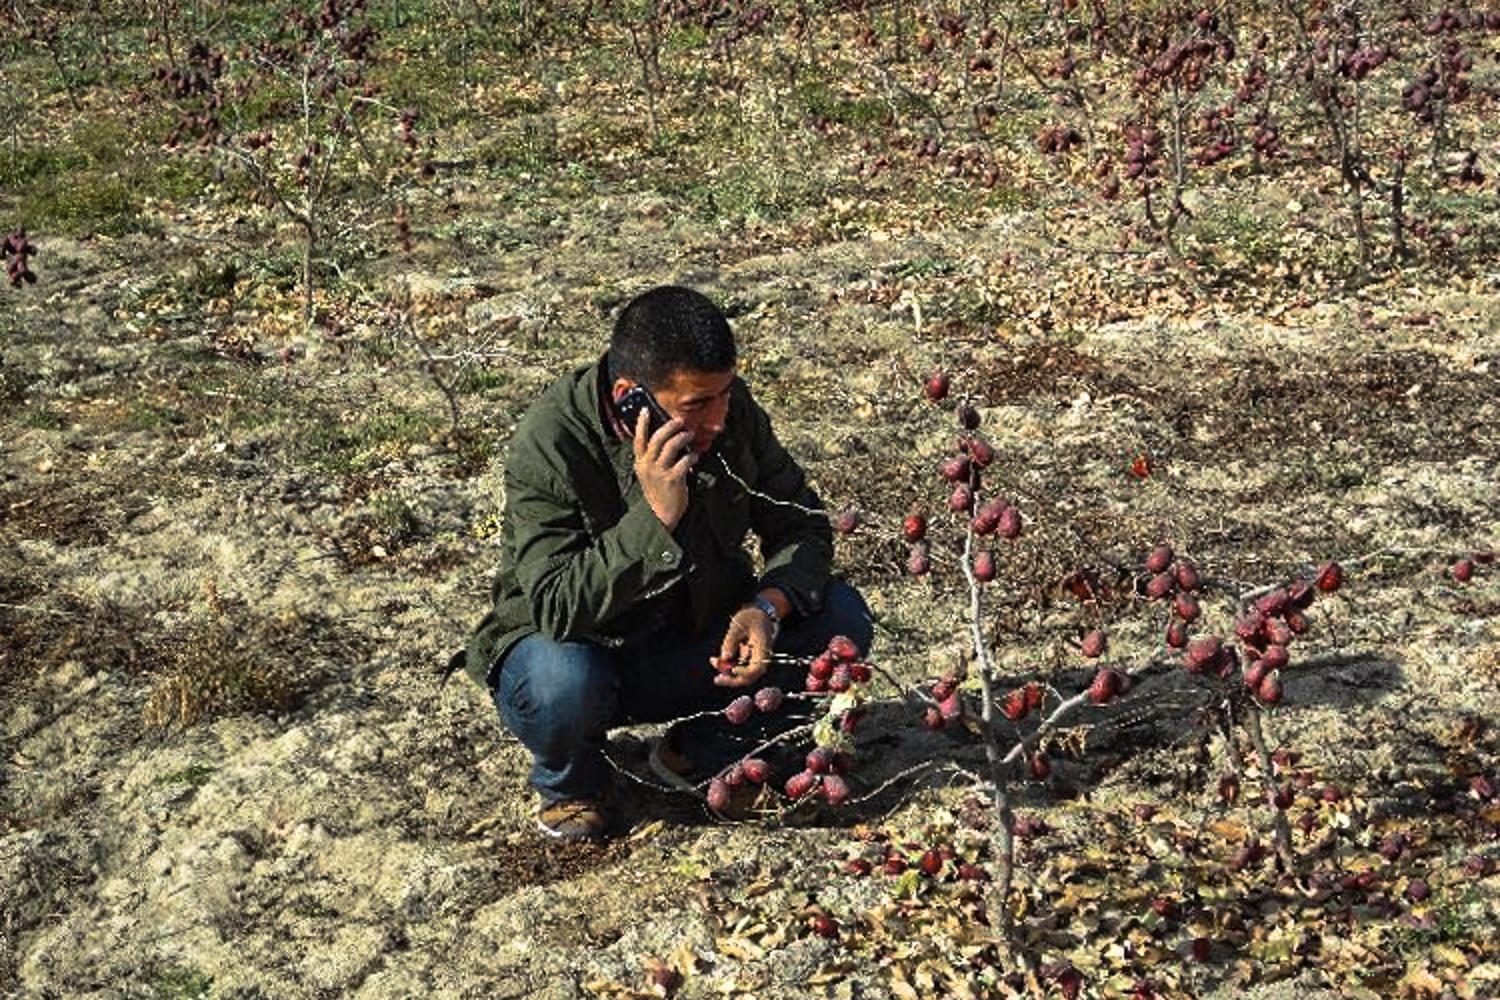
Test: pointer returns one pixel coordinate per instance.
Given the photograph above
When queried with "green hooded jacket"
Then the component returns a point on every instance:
(583, 557)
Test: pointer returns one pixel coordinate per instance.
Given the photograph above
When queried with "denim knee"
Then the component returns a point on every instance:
(848, 614)
(844, 613)
(552, 694)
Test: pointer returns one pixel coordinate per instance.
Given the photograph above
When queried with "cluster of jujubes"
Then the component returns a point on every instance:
(837, 671)
(947, 703)
(407, 133)
(963, 471)
(333, 47)
(331, 15)
(1142, 152)
(195, 85)
(1055, 139)
(1264, 631)
(1447, 21)
(403, 228)
(1177, 51)
(328, 50)
(18, 251)
(1442, 83)
(750, 21)
(197, 77)
(1169, 55)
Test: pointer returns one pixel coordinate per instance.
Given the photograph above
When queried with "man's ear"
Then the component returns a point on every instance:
(620, 388)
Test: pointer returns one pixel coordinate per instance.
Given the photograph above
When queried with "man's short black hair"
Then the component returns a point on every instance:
(669, 329)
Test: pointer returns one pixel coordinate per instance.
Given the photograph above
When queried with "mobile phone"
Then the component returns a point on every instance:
(636, 399)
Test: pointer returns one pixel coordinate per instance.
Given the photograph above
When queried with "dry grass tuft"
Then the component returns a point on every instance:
(226, 659)
(212, 669)
(233, 661)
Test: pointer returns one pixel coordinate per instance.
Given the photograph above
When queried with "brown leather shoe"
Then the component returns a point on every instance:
(573, 819)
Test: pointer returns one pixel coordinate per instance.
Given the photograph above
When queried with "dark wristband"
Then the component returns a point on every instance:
(765, 605)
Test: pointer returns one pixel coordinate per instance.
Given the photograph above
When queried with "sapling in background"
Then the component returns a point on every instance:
(293, 111)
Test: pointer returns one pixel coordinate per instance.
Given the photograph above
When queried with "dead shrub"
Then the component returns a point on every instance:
(225, 659)
(235, 661)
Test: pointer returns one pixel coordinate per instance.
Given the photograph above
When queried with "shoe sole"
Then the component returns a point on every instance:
(559, 835)
(666, 774)
(681, 784)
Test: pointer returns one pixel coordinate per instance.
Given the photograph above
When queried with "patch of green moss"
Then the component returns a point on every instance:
(686, 37)
(924, 267)
(103, 141)
(152, 418)
(512, 105)
(751, 189)
(348, 449)
(174, 179)
(478, 381)
(529, 144)
(181, 983)
(1229, 226)
(194, 774)
(103, 205)
(77, 189)
(28, 166)
(280, 267)
(43, 418)
(820, 100)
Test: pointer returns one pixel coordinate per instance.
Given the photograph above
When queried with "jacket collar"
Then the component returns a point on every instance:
(590, 404)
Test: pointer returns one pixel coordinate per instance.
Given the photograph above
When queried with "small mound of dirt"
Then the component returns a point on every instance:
(202, 667)
(237, 660)
(540, 860)
(1036, 370)
(66, 517)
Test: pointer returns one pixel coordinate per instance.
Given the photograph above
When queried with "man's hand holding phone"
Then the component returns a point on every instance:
(663, 460)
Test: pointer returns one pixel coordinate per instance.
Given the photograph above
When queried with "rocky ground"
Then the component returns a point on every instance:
(230, 576)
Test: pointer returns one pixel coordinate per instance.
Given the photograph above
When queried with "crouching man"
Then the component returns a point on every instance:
(624, 582)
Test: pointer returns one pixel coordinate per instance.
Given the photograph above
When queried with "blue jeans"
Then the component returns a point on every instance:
(561, 698)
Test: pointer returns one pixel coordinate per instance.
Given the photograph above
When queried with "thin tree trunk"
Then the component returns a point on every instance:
(1179, 172)
(1398, 211)
(1281, 828)
(309, 245)
(1357, 208)
(1002, 837)
(900, 15)
(645, 60)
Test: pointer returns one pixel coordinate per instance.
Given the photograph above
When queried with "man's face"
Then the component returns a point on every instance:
(700, 400)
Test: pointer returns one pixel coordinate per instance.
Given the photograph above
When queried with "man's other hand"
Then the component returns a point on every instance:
(662, 462)
(747, 644)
